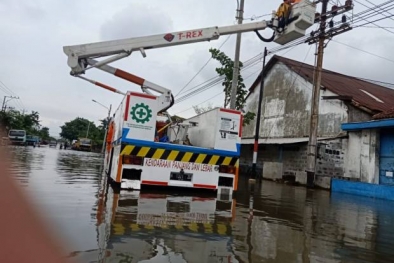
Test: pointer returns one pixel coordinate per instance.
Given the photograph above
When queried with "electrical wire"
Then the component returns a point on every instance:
(379, 8)
(256, 17)
(370, 13)
(367, 52)
(18, 103)
(380, 27)
(206, 63)
(216, 80)
(200, 103)
(209, 85)
(367, 13)
(9, 91)
(370, 22)
(247, 64)
(380, 13)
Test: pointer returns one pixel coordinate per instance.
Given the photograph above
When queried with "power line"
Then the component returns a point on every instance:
(378, 81)
(380, 27)
(373, 15)
(200, 103)
(367, 13)
(256, 17)
(7, 89)
(206, 63)
(214, 81)
(371, 22)
(378, 7)
(367, 52)
(380, 13)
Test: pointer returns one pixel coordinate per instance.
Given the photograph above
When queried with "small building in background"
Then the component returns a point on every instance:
(370, 163)
(285, 121)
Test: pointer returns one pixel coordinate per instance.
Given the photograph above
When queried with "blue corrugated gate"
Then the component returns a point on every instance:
(386, 169)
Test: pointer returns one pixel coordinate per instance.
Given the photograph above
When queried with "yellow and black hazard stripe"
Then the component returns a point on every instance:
(174, 155)
(217, 228)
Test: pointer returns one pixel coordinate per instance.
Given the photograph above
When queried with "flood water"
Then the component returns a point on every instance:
(266, 223)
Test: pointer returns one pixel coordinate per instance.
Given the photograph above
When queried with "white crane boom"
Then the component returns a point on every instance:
(124, 47)
(83, 57)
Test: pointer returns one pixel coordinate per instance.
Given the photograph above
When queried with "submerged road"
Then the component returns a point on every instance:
(266, 223)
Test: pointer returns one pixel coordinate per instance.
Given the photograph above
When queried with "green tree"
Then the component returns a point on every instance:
(199, 110)
(226, 70)
(44, 133)
(14, 119)
(78, 128)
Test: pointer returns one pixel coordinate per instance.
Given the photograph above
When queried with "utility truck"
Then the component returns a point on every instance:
(141, 149)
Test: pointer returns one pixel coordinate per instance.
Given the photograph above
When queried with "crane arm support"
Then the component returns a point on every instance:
(126, 46)
(165, 100)
(102, 85)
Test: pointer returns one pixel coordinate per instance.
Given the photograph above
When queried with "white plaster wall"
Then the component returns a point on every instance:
(352, 158)
(287, 104)
(269, 128)
(362, 160)
(331, 106)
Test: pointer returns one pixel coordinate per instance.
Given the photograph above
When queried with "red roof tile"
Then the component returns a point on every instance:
(363, 93)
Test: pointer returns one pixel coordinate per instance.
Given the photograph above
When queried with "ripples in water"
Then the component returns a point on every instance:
(265, 223)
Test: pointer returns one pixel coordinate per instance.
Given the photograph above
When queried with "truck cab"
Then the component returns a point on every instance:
(17, 137)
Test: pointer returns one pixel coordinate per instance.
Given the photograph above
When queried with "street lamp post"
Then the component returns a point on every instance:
(87, 131)
(106, 123)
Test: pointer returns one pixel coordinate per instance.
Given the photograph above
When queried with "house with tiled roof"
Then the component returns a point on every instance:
(285, 120)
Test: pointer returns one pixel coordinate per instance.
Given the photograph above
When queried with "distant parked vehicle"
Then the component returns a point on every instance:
(17, 137)
(33, 140)
(83, 144)
(53, 144)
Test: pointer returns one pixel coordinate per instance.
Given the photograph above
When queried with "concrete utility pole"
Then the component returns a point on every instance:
(233, 98)
(106, 128)
(4, 105)
(106, 125)
(312, 145)
(87, 132)
(320, 38)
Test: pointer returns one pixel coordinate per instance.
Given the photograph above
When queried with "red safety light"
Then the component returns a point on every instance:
(132, 159)
(227, 169)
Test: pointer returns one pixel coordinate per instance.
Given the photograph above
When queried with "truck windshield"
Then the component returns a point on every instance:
(17, 133)
(85, 141)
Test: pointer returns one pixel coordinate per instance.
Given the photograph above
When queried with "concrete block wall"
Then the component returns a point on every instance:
(330, 159)
(293, 160)
(294, 157)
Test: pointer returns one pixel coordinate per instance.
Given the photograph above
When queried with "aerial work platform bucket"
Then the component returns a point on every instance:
(305, 11)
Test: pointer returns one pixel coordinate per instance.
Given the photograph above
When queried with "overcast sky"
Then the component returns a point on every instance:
(34, 67)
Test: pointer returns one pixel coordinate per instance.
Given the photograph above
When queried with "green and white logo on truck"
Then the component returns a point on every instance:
(141, 113)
